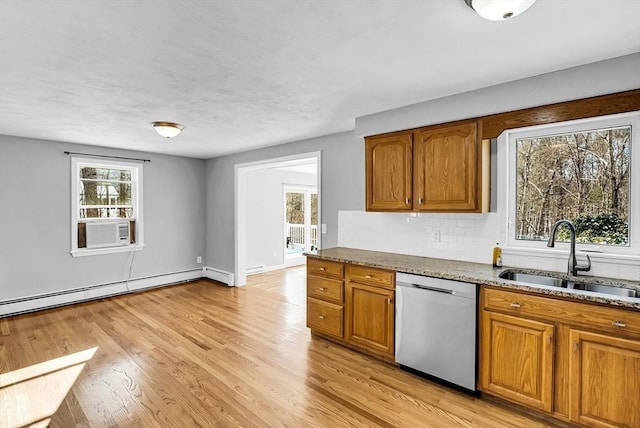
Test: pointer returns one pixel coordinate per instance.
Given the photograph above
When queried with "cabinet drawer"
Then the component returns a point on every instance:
(324, 317)
(573, 313)
(325, 268)
(372, 276)
(325, 289)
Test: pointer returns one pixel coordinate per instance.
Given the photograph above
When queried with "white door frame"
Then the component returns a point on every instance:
(241, 203)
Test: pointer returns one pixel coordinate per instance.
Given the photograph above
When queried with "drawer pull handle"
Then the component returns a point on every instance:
(322, 289)
(321, 317)
(368, 276)
(515, 305)
(323, 269)
(619, 324)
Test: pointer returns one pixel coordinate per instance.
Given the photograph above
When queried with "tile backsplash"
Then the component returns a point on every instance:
(466, 237)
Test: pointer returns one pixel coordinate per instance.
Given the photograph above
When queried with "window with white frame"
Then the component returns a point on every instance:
(586, 171)
(106, 211)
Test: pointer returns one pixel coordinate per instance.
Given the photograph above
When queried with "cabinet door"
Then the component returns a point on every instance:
(517, 359)
(604, 374)
(370, 317)
(446, 169)
(388, 173)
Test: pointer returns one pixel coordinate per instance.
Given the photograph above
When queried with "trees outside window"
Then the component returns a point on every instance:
(580, 176)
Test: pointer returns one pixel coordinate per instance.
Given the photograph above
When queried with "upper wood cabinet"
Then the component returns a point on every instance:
(446, 169)
(388, 166)
(438, 169)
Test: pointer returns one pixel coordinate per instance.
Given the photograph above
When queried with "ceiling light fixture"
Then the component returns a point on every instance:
(167, 129)
(499, 10)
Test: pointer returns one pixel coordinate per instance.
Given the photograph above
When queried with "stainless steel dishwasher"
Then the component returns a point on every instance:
(436, 328)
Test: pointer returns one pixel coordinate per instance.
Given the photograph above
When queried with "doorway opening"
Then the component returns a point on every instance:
(260, 213)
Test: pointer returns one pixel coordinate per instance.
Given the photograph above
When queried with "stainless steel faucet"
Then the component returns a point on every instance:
(573, 266)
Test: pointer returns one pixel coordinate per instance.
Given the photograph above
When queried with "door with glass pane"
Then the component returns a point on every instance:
(301, 222)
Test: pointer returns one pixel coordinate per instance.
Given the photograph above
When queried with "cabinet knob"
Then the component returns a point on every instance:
(420, 201)
(323, 269)
(406, 201)
(515, 305)
(388, 300)
(619, 324)
(368, 276)
(322, 289)
(321, 317)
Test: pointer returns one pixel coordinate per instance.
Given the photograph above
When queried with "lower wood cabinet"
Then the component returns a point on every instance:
(605, 380)
(517, 359)
(579, 362)
(370, 317)
(325, 297)
(325, 317)
(353, 305)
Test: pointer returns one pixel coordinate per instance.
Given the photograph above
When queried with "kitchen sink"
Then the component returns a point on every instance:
(558, 281)
(606, 289)
(532, 278)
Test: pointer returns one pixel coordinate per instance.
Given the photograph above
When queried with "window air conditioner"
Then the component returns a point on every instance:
(107, 234)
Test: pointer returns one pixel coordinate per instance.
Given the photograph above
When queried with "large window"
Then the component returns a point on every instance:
(105, 194)
(584, 171)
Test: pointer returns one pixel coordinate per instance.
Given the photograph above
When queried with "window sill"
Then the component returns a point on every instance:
(621, 259)
(82, 252)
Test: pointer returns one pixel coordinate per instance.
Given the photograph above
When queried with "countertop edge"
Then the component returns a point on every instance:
(486, 274)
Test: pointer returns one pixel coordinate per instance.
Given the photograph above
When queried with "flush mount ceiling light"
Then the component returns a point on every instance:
(167, 129)
(499, 10)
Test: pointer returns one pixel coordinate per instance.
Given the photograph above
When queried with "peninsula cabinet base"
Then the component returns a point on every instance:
(362, 350)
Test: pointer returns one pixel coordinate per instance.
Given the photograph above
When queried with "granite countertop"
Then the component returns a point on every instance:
(477, 273)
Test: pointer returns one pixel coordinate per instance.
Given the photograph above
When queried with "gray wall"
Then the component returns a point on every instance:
(265, 214)
(35, 205)
(342, 188)
(598, 78)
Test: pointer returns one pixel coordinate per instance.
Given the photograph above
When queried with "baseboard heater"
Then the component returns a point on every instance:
(218, 275)
(93, 292)
(255, 269)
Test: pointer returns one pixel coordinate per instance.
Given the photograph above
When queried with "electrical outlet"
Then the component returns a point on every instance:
(199, 259)
(435, 236)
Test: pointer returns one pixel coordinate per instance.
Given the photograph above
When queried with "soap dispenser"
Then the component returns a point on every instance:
(497, 255)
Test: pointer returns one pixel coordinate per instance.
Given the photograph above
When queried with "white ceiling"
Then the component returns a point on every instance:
(242, 74)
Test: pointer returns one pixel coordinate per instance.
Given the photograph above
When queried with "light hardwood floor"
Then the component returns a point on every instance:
(203, 354)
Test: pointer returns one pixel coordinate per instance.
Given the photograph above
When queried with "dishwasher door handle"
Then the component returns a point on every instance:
(438, 290)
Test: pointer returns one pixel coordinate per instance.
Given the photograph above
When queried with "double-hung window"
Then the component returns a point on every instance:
(106, 206)
(586, 171)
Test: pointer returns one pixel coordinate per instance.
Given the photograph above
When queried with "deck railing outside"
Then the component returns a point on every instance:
(295, 235)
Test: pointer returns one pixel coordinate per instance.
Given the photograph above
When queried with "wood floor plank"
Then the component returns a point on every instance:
(203, 354)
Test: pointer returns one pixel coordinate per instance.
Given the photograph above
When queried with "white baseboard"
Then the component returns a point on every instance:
(218, 275)
(65, 297)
